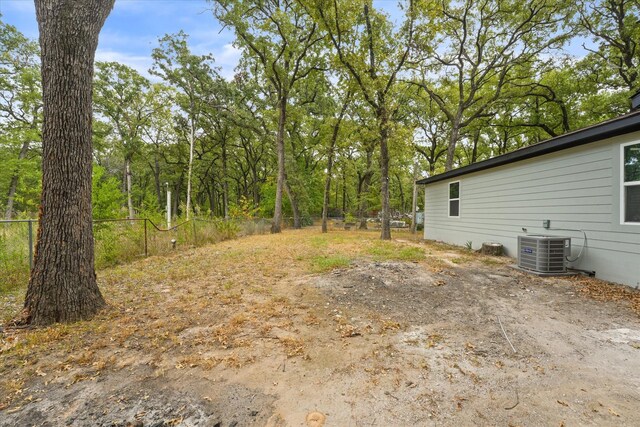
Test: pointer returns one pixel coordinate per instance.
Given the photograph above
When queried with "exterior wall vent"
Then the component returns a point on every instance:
(543, 254)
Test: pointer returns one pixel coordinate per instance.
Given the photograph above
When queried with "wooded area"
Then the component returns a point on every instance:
(332, 101)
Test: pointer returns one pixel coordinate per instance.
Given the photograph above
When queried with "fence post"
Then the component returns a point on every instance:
(30, 245)
(146, 252)
(195, 234)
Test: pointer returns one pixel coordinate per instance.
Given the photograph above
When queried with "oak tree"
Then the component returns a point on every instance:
(63, 285)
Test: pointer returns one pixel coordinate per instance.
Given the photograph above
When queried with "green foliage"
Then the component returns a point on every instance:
(118, 243)
(495, 97)
(14, 257)
(349, 218)
(614, 27)
(244, 210)
(226, 229)
(107, 198)
(20, 120)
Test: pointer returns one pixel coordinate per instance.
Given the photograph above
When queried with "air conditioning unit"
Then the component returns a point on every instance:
(544, 254)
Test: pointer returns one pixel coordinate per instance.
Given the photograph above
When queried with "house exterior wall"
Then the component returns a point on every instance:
(576, 188)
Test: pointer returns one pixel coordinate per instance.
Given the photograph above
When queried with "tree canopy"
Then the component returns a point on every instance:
(331, 107)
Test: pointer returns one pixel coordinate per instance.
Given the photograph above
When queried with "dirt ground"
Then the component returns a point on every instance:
(304, 329)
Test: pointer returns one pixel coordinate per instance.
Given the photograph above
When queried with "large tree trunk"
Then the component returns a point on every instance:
(13, 185)
(63, 284)
(384, 172)
(276, 227)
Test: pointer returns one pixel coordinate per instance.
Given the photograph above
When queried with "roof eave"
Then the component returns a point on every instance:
(615, 127)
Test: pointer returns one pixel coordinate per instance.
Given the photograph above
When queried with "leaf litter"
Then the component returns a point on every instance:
(269, 329)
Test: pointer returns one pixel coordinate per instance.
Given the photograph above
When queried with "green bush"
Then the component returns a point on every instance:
(14, 257)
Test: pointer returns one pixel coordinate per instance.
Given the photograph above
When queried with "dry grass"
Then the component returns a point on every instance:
(202, 307)
(206, 308)
(222, 306)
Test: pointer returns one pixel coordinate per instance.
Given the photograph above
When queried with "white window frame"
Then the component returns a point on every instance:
(624, 185)
(449, 199)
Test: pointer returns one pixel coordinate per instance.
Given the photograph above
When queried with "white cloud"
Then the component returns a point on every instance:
(139, 63)
(227, 59)
(229, 54)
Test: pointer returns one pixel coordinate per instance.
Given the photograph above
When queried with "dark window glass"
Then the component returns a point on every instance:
(632, 203)
(632, 163)
(454, 190)
(454, 207)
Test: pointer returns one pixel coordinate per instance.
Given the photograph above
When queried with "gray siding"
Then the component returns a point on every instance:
(577, 188)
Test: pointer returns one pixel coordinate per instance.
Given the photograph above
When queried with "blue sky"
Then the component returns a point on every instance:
(134, 26)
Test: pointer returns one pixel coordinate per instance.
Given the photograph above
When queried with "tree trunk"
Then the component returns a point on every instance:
(474, 152)
(255, 188)
(414, 200)
(276, 227)
(344, 191)
(14, 182)
(363, 189)
(297, 220)
(225, 182)
(327, 188)
(332, 149)
(384, 172)
(211, 196)
(453, 140)
(335, 199)
(176, 197)
(63, 286)
(127, 171)
(401, 190)
(156, 180)
(192, 137)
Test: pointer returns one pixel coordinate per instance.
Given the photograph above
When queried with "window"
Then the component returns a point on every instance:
(454, 199)
(630, 197)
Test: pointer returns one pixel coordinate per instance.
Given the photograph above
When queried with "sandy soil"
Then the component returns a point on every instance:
(447, 338)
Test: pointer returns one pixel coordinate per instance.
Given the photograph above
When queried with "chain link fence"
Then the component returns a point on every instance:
(118, 241)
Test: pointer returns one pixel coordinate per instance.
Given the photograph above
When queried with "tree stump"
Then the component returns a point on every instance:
(494, 249)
